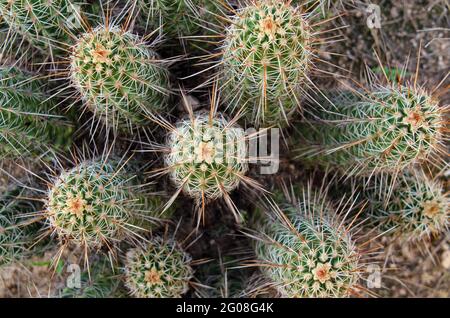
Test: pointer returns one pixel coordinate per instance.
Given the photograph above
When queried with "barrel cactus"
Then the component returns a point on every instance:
(416, 208)
(207, 156)
(46, 24)
(267, 54)
(304, 249)
(387, 130)
(30, 125)
(121, 79)
(160, 269)
(100, 203)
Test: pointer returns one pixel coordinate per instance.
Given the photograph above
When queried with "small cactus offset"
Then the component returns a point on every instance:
(416, 208)
(266, 57)
(387, 130)
(160, 269)
(14, 235)
(30, 125)
(46, 24)
(120, 78)
(180, 17)
(100, 203)
(305, 250)
(207, 156)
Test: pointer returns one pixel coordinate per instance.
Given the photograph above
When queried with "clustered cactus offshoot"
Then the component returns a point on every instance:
(386, 130)
(160, 269)
(30, 123)
(121, 79)
(416, 208)
(100, 203)
(266, 58)
(305, 249)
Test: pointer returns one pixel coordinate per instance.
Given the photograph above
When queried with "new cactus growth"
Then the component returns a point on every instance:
(30, 125)
(46, 24)
(266, 58)
(415, 209)
(120, 78)
(160, 269)
(387, 130)
(99, 203)
(207, 156)
(305, 250)
(14, 237)
(180, 17)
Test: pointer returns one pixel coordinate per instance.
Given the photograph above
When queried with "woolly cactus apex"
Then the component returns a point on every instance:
(388, 130)
(101, 281)
(206, 158)
(99, 203)
(266, 57)
(29, 124)
(306, 251)
(416, 209)
(161, 269)
(14, 236)
(180, 17)
(46, 24)
(121, 79)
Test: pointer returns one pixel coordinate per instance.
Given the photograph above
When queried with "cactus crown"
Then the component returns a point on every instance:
(160, 269)
(305, 251)
(390, 129)
(122, 80)
(266, 56)
(206, 157)
(44, 23)
(416, 209)
(98, 203)
(29, 124)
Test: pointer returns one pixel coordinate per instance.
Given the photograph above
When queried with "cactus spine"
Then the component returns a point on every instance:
(121, 79)
(388, 130)
(266, 57)
(416, 208)
(305, 250)
(160, 269)
(30, 126)
(206, 157)
(100, 203)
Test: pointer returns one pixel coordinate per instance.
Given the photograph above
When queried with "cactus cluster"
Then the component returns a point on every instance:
(99, 204)
(160, 269)
(30, 124)
(386, 130)
(266, 57)
(415, 208)
(207, 156)
(121, 79)
(304, 249)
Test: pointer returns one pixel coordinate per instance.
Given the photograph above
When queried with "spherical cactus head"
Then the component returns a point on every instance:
(160, 269)
(120, 78)
(96, 204)
(388, 129)
(306, 251)
(414, 208)
(266, 57)
(207, 156)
